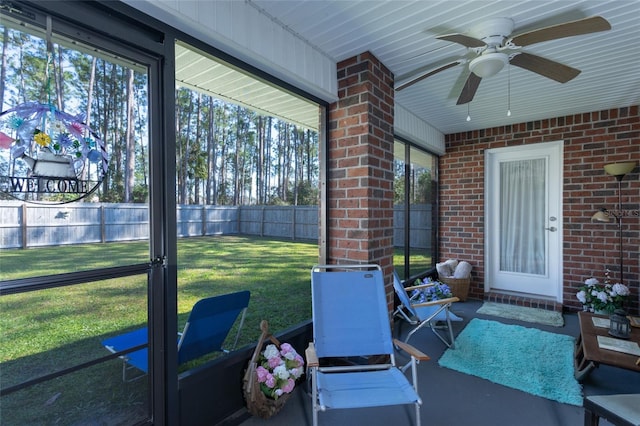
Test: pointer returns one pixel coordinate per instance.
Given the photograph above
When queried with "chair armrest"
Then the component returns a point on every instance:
(446, 301)
(411, 350)
(312, 356)
(418, 287)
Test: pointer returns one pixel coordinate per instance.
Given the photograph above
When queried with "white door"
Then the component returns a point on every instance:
(523, 220)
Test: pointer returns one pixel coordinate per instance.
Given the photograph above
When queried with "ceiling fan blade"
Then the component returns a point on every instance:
(469, 89)
(593, 24)
(421, 77)
(462, 39)
(545, 67)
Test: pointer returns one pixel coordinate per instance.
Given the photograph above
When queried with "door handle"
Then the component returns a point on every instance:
(552, 229)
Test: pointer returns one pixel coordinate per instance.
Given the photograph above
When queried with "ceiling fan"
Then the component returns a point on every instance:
(494, 47)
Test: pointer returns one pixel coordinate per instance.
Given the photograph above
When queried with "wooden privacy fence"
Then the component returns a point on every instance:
(33, 225)
(25, 225)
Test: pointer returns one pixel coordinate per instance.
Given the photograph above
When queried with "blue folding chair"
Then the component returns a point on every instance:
(436, 313)
(351, 322)
(207, 327)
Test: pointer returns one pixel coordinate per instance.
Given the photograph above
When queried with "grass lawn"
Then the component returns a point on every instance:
(44, 331)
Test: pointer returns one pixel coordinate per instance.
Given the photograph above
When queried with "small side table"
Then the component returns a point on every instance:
(621, 410)
(588, 354)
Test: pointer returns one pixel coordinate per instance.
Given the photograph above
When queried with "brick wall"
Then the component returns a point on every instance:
(591, 140)
(360, 180)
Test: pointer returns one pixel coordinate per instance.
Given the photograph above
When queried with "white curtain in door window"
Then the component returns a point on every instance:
(522, 216)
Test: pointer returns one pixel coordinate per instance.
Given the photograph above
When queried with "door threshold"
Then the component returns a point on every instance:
(528, 301)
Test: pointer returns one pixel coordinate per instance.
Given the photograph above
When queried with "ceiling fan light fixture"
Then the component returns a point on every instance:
(489, 64)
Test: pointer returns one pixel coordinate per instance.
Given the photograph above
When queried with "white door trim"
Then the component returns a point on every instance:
(555, 184)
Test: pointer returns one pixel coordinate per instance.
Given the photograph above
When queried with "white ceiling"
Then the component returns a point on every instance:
(401, 34)
(199, 71)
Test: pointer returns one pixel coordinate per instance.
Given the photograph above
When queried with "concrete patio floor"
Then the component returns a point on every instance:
(453, 398)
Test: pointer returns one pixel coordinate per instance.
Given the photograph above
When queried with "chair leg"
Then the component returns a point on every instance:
(126, 368)
(414, 379)
(450, 343)
(406, 340)
(451, 339)
(591, 418)
(314, 396)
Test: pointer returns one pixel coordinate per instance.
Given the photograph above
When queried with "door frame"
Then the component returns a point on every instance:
(556, 149)
(128, 32)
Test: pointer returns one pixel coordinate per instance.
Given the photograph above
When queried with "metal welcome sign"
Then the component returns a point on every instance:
(47, 155)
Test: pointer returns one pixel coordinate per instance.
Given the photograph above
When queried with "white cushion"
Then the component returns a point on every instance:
(463, 270)
(443, 270)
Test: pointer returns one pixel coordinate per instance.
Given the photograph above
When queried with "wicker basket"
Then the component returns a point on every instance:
(459, 286)
(257, 402)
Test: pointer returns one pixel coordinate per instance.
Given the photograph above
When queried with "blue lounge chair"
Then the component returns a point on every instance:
(436, 313)
(351, 322)
(207, 327)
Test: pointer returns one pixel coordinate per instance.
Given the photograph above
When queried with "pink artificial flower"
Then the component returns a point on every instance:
(296, 372)
(262, 374)
(299, 360)
(287, 349)
(76, 129)
(288, 386)
(5, 140)
(270, 381)
(274, 362)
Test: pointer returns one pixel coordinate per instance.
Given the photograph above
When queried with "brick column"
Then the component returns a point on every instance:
(360, 178)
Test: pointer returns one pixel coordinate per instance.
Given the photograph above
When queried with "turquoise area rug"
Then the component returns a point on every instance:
(527, 359)
(522, 313)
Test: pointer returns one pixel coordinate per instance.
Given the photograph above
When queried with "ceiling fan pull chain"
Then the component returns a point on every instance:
(508, 90)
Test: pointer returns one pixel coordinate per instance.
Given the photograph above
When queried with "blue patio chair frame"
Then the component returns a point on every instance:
(209, 323)
(351, 321)
(436, 313)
